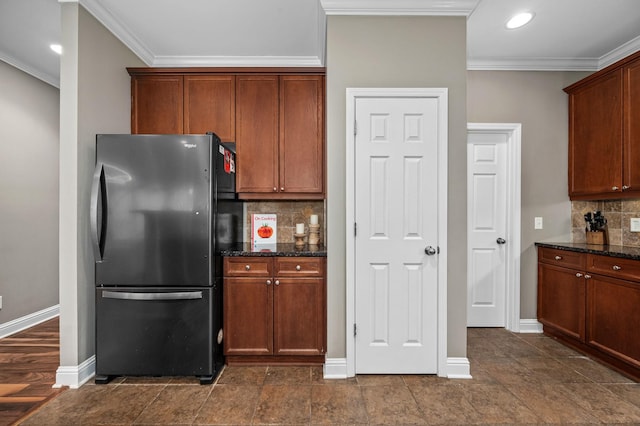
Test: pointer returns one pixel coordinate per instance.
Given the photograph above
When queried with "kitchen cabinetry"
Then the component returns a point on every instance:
(591, 301)
(177, 104)
(562, 292)
(280, 140)
(274, 310)
(604, 136)
(275, 116)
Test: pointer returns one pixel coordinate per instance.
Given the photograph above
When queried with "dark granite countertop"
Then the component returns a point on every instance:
(280, 249)
(604, 250)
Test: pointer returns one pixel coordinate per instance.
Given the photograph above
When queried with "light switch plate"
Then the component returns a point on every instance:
(635, 224)
(537, 223)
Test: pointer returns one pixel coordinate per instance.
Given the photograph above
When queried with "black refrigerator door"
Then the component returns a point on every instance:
(151, 210)
(162, 331)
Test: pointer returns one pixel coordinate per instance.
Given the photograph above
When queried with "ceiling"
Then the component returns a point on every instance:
(581, 35)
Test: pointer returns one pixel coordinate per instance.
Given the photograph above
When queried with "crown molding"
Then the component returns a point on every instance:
(399, 7)
(33, 71)
(122, 33)
(532, 64)
(621, 52)
(236, 61)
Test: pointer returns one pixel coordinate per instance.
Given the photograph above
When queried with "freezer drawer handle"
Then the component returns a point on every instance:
(180, 295)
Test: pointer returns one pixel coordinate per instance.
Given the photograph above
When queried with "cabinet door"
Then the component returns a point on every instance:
(248, 316)
(614, 317)
(209, 105)
(632, 127)
(257, 134)
(302, 134)
(156, 104)
(299, 316)
(561, 300)
(595, 137)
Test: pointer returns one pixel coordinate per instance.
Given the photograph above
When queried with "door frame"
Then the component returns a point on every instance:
(512, 290)
(441, 94)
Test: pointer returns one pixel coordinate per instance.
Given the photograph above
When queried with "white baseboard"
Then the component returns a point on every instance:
(22, 323)
(75, 376)
(335, 368)
(530, 326)
(458, 368)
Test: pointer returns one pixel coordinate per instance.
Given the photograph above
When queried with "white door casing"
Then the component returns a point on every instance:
(493, 215)
(396, 193)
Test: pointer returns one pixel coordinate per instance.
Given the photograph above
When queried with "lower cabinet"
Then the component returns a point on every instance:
(591, 303)
(274, 310)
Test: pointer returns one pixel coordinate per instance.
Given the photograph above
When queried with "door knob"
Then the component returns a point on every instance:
(501, 241)
(430, 251)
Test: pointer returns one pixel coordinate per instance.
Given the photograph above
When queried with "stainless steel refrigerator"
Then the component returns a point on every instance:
(162, 208)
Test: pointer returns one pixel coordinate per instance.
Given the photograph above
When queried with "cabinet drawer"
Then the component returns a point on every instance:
(299, 267)
(561, 257)
(248, 266)
(614, 267)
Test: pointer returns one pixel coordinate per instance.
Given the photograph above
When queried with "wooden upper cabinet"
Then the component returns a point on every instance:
(604, 133)
(302, 134)
(257, 134)
(209, 105)
(280, 136)
(595, 137)
(274, 115)
(632, 127)
(156, 104)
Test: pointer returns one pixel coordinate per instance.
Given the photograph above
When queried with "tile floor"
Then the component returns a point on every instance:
(517, 379)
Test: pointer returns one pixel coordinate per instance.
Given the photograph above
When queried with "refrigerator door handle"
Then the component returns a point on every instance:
(178, 295)
(98, 187)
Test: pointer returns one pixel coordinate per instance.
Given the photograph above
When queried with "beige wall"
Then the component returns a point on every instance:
(29, 143)
(94, 98)
(536, 100)
(395, 52)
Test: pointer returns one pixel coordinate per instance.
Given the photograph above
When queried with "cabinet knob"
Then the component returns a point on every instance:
(282, 188)
(578, 274)
(616, 267)
(558, 258)
(614, 188)
(275, 189)
(269, 282)
(298, 267)
(247, 267)
(625, 187)
(277, 282)
(587, 276)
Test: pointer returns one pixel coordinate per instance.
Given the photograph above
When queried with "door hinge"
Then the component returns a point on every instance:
(355, 229)
(355, 330)
(355, 128)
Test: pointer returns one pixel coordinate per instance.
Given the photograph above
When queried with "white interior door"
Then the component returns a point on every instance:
(487, 229)
(396, 243)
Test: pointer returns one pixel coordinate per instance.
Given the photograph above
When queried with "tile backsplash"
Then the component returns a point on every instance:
(289, 213)
(618, 214)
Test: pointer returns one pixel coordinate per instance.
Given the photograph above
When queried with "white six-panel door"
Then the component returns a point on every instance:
(396, 212)
(487, 229)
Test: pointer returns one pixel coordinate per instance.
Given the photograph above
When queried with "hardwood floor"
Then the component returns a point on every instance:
(28, 363)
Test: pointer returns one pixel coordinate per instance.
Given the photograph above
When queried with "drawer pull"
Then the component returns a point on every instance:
(247, 267)
(578, 274)
(558, 258)
(277, 282)
(616, 267)
(268, 282)
(587, 276)
(298, 267)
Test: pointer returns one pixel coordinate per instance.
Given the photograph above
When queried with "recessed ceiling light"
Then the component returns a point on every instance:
(519, 20)
(56, 48)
